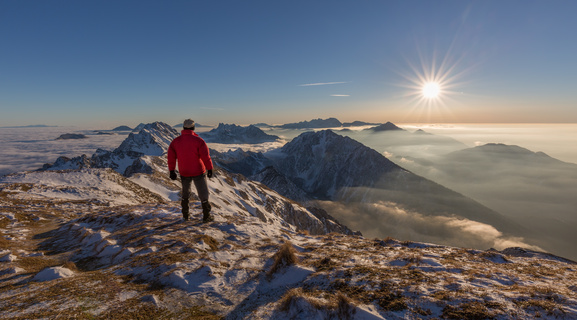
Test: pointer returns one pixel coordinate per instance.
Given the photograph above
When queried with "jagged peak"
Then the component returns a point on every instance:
(323, 137)
(232, 133)
(152, 139)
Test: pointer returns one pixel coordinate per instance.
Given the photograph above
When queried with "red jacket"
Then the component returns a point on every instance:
(192, 154)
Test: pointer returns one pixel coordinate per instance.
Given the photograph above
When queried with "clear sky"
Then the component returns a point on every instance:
(106, 63)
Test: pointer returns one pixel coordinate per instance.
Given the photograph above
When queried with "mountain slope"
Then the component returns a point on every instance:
(369, 193)
(264, 256)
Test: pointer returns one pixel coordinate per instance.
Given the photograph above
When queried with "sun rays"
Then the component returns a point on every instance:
(431, 87)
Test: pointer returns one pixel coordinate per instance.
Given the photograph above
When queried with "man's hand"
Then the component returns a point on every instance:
(172, 175)
(209, 173)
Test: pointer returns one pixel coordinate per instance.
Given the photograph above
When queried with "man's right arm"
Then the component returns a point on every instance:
(171, 157)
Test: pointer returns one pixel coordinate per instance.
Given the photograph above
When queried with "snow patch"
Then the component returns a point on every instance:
(53, 273)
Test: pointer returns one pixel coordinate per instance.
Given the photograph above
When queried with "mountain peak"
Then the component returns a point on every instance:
(323, 162)
(389, 126)
(152, 139)
(232, 133)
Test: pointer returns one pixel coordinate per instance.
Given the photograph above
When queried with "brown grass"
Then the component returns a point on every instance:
(338, 306)
(209, 241)
(285, 256)
(468, 310)
(4, 243)
(36, 264)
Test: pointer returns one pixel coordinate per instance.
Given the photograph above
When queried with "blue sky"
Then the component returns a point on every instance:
(106, 63)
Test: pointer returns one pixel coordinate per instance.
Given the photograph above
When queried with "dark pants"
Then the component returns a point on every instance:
(199, 183)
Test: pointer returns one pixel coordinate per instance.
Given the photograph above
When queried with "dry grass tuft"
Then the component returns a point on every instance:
(37, 264)
(4, 243)
(285, 256)
(289, 298)
(338, 306)
(345, 308)
(325, 264)
(468, 310)
(209, 241)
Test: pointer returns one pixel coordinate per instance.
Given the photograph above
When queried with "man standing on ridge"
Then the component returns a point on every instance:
(194, 164)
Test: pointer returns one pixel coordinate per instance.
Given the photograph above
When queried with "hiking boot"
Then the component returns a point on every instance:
(206, 217)
(185, 209)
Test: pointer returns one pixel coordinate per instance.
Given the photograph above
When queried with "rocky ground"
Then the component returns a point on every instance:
(83, 259)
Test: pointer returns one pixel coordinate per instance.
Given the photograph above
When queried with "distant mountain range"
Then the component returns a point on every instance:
(231, 133)
(323, 123)
(31, 126)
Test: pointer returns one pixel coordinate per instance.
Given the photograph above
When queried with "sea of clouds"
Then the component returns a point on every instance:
(30, 148)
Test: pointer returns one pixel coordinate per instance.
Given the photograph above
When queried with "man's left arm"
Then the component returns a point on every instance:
(205, 157)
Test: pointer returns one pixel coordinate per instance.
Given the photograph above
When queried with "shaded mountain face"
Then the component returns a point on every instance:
(247, 163)
(231, 133)
(322, 163)
(532, 188)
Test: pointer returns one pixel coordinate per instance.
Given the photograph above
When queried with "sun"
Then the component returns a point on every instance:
(432, 85)
(431, 90)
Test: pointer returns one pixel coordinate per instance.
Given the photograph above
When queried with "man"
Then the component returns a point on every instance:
(194, 164)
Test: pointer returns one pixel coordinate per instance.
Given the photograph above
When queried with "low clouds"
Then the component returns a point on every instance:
(30, 148)
(383, 219)
(340, 95)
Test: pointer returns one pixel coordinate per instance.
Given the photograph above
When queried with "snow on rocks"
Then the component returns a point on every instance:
(8, 258)
(53, 273)
(104, 185)
(12, 270)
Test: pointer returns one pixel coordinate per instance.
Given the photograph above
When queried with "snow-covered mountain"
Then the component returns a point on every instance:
(141, 158)
(93, 243)
(366, 191)
(232, 133)
(323, 163)
(152, 139)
